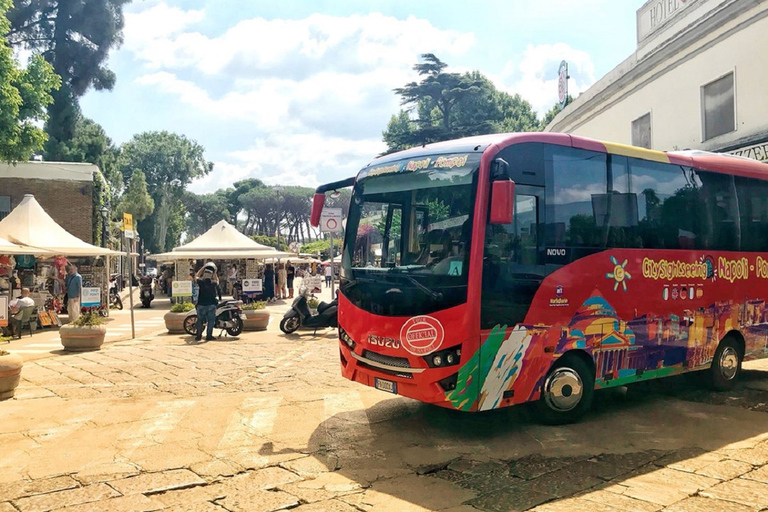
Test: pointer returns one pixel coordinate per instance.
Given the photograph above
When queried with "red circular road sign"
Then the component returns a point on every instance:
(331, 224)
(422, 335)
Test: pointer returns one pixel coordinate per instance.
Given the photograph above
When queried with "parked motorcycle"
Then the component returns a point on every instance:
(145, 291)
(228, 318)
(114, 296)
(300, 315)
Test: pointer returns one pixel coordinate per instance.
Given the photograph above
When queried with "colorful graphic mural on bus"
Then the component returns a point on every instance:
(510, 365)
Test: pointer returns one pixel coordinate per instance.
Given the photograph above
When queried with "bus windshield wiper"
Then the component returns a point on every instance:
(431, 293)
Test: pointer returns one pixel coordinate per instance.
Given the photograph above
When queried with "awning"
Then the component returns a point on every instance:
(7, 247)
(28, 224)
(220, 255)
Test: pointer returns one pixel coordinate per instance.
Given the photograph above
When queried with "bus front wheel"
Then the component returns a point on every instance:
(566, 393)
(726, 365)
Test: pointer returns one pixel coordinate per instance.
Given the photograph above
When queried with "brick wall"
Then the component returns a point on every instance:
(68, 202)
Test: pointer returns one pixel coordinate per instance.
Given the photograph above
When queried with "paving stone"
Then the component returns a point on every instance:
(740, 490)
(619, 501)
(564, 482)
(424, 491)
(133, 503)
(726, 469)
(257, 500)
(68, 498)
(575, 504)
(331, 506)
(215, 469)
(147, 483)
(194, 495)
(534, 466)
(7, 507)
(702, 504)
(268, 478)
(374, 501)
(761, 475)
(512, 499)
(15, 490)
(757, 456)
(325, 487)
(306, 467)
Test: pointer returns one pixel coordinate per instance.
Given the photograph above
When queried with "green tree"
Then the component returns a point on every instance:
(136, 199)
(24, 94)
(205, 210)
(400, 133)
(170, 163)
(271, 241)
(550, 115)
(75, 37)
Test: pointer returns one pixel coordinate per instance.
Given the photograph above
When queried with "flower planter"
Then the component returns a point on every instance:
(10, 374)
(82, 339)
(255, 319)
(174, 322)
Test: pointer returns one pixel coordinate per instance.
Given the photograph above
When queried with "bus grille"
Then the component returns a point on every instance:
(399, 362)
(386, 372)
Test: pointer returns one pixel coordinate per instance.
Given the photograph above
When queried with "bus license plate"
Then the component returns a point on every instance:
(385, 385)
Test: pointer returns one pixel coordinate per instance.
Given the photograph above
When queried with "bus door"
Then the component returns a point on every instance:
(513, 261)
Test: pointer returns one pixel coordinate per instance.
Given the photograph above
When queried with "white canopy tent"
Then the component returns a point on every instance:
(223, 242)
(7, 247)
(28, 224)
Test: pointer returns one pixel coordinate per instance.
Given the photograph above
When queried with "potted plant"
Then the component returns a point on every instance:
(174, 319)
(10, 372)
(255, 316)
(84, 334)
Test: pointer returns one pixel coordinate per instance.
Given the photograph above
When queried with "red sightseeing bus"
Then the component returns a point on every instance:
(496, 270)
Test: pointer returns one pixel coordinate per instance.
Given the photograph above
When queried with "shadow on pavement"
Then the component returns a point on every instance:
(502, 460)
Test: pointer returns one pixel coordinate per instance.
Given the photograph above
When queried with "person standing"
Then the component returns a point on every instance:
(206, 300)
(195, 287)
(232, 278)
(328, 275)
(282, 277)
(269, 283)
(290, 274)
(73, 283)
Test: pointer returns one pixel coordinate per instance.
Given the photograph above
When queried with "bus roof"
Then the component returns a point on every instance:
(717, 162)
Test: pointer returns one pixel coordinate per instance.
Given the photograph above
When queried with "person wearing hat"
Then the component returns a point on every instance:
(208, 281)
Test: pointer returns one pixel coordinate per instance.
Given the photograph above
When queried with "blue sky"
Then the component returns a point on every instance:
(298, 92)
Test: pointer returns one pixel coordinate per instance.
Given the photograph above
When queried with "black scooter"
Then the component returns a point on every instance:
(300, 316)
(145, 291)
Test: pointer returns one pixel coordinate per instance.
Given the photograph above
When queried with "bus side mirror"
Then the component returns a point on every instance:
(502, 201)
(317, 209)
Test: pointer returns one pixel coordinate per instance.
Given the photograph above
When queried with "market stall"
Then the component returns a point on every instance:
(50, 247)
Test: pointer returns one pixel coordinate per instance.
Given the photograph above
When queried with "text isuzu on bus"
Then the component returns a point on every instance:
(502, 269)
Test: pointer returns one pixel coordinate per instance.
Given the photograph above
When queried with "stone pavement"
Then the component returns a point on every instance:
(265, 422)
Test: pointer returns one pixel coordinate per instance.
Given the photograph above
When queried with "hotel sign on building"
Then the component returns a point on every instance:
(656, 13)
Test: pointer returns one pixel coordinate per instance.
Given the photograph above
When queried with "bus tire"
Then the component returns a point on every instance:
(726, 365)
(566, 393)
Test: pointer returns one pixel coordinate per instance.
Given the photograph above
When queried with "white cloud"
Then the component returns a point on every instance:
(316, 92)
(534, 74)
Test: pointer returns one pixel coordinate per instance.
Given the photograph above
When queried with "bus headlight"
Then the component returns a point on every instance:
(348, 341)
(448, 357)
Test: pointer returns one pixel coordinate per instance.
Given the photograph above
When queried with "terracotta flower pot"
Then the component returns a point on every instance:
(82, 339)
(255, 319)
(174, 322)
(10, 374)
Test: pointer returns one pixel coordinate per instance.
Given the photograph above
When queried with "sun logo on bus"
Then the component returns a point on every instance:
(619, 274)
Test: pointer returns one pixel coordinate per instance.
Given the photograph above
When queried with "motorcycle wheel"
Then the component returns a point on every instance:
(290, 324)
(117, 302)
(237, 329)
(190, 325)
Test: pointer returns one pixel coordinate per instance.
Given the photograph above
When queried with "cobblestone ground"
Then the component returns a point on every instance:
(266, 423)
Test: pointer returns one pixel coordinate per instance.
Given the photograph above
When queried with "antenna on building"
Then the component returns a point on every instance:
(562, 85)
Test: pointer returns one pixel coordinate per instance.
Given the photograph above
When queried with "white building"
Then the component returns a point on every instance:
(698, 79)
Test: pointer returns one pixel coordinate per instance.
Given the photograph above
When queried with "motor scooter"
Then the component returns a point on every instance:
(300, 315)
(114, 296)
(145, 291)
(228, 318)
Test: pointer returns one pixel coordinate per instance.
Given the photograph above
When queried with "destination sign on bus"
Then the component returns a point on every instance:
(438, 163)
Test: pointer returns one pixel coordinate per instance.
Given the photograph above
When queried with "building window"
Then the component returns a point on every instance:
(719, 107)
(641, 131)
(5, 206)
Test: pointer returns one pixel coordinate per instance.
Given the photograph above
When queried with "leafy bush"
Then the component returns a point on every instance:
(313, 303)
(88, 319)
(182, 307)
(257, 304)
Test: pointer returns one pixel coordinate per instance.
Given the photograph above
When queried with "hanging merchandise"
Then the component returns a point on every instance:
(25, 261)
(6, 265)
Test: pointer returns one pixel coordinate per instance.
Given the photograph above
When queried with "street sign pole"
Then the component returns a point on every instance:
(128, 231)
(333, 274)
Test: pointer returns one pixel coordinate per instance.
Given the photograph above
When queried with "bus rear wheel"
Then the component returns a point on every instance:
(726, 365)
(566, 393)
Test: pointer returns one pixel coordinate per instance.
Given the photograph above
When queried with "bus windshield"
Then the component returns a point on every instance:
(413, 225)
